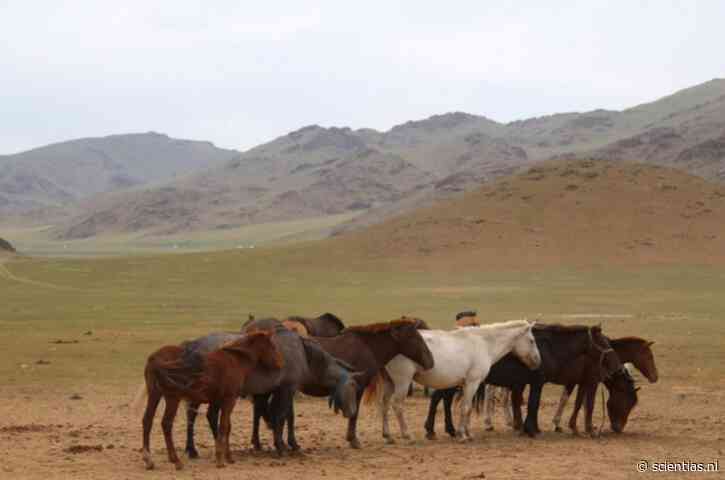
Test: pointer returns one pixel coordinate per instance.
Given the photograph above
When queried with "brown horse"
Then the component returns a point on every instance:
(175, 374)
(368, 348)
(632, 350)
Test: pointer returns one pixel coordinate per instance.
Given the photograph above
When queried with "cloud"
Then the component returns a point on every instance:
(240, 73)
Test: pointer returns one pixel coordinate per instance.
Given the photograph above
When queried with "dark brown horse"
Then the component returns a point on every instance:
(175, 374)
(368, 348)
(632, 350)
(559, 346)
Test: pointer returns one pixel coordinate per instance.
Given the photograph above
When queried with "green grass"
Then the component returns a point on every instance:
(40, 241)
(134, 304)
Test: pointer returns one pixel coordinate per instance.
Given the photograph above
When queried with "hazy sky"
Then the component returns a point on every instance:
(239, 73)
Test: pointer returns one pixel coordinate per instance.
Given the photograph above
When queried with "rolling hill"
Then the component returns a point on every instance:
(317, 172)
(562, 212)
(61, 174)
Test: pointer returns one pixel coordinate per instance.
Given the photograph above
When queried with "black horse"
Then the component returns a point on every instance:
(567, 356)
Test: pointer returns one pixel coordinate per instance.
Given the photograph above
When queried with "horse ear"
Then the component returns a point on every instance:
(649, 344)
(637, 389)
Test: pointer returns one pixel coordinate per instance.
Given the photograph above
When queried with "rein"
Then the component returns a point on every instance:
(602, 353)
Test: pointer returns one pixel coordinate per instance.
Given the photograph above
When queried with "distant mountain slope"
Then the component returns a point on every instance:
(63, 173)
(557, 213)
(316, 171)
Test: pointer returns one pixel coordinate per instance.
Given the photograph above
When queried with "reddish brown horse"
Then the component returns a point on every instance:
(174, 374)
(368, 348)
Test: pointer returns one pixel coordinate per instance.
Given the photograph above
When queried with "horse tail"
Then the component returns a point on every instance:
(177, 375)
(479, 398)
(137, 403)
(375, 389)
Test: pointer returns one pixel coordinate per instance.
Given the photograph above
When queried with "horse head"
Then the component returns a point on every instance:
(411, 344)
(257, 347)
(622, 399)
(525, 347)
(344, 397)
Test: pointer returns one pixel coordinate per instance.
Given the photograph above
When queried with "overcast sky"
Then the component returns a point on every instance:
(241, 73)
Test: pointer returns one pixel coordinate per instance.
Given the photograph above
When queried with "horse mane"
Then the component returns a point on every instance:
(332, 318)
(383, 326)
(467, 313)
(622, 340)
(559, 328)
(501, 325)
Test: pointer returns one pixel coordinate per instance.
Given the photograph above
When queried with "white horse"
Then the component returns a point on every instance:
(462, 357)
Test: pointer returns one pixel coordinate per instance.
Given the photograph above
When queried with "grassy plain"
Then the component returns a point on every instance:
(130, 305)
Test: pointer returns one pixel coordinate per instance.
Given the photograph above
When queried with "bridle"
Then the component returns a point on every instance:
(602, 354)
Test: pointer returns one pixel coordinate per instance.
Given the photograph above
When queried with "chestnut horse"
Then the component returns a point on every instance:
(176, 374)
(632, 350)
(368, 348)
(559, 346)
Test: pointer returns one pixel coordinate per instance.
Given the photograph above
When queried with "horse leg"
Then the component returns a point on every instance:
(351, 436)
(167, 424)
(212, 416)
(590, 398)
(531, 426)
(430, 421)
(506, 401)
(448, 411)
(192, 409)
(575, 413)
(517, 399)
(388, 393)
(281, 401)
(222, 450)
(260, 405)
(291, 440)
(148, 419)
(565, 394)
(469, 389)
(489, 392)
(398, 408)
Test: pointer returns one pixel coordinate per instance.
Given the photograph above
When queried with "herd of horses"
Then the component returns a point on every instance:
(270, 361)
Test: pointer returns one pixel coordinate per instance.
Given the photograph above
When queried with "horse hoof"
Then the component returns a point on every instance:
(558, 429)
(389, 441)
(489, 428)
(430, 435)
(150, 465)
(220, 465)
(355, 444)
(192, 454)
(294, 447)
(179, 465)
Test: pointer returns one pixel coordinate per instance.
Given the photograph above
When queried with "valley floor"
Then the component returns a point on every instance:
(76, 333)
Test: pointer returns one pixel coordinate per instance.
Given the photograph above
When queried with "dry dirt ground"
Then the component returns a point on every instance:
(51, 435)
